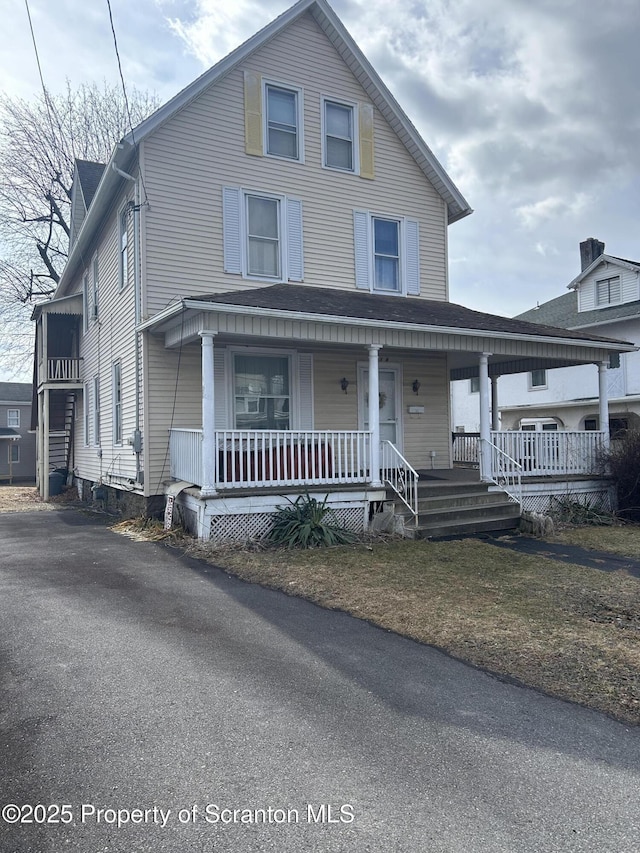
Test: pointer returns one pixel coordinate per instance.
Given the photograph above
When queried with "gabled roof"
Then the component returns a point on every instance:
(15, 392)
(563, 311)
(123, 154)
(602, 259)
(362, 70)
(89, 175)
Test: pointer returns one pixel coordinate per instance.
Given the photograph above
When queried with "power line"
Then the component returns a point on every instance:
(35, 48)
(124, 91)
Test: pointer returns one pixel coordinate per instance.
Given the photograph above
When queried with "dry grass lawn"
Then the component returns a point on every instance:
(618, 539)
(22, 498)
(572, 632)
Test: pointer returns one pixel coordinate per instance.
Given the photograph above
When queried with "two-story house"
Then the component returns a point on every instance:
(17, 443)
(256, 297)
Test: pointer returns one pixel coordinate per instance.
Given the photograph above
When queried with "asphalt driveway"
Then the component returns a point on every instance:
(152, 703)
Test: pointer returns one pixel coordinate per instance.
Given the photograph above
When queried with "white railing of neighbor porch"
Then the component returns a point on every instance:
(274, 457)
(398, 473)
(553, 452)
(60, 370)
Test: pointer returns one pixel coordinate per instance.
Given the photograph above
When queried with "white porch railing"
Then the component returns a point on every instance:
(506, 471)
(465, 447)
(273, 457)
(400, 476)
(61, 370)
(553, 452)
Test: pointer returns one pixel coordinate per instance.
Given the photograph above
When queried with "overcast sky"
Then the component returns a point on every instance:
(532, 106)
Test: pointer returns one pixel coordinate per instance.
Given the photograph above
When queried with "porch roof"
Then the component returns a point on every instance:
(358, 318)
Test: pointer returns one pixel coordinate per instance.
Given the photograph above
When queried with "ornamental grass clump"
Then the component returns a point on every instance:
(308, 523)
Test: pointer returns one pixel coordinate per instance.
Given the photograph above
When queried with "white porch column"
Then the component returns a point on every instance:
(485, 424)
(209, 449)
(603, 400)
(495, 414)
(45, 449)
(374, 414)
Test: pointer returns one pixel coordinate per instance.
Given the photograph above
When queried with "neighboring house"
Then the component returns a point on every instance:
(256, 297)
(17, 444)
(603, 298)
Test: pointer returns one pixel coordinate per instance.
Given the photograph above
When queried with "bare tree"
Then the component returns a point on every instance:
(39, 142)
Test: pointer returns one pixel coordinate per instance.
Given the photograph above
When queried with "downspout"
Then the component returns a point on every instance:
(137, 439)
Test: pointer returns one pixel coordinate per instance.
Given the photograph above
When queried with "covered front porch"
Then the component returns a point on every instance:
(359, 384)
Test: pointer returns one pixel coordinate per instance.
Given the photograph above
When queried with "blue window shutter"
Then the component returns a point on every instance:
(362, 247)
(232, 232)
(221, 408)
(412, 263)
(295, 258)
(305, 385)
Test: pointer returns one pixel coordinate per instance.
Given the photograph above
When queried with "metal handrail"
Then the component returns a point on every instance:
(510, 481)
(400, 476)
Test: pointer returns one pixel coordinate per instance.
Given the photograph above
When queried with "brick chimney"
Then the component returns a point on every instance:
(590, 249)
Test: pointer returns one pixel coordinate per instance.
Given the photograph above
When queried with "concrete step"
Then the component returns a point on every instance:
(460, 499)
(465, 514)
(468, 528)
(446, 489)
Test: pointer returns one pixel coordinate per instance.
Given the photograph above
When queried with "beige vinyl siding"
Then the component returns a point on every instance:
(111, 337)
(200, 150)
(629, 281)
(174, 389)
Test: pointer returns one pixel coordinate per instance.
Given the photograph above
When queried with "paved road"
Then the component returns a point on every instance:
(134, 679)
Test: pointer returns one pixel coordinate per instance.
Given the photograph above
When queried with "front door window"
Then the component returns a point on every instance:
(387, 403)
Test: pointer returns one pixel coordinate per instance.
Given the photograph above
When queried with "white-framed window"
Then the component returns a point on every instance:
(117, 403)
(340, 145)
(608, 291)
(123, 246)
(474, 385)
(13, 418)
(262, 391)
(86, 302)
(13, 455)
(96, 410)
(86, 404)
(283, 121)
(262, 235)
(94, 286)
(386, 253)
(537, 379)
(264, 244)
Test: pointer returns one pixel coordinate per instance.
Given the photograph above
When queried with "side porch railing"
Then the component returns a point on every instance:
(273, 457)
(59, 370)
(553, 452)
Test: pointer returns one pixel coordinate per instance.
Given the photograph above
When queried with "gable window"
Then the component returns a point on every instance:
(262, 235)
(262, 395)
(339, 136)
(117, 403)
(123, 248)
(96, 410)
(283, 122)
(13, 418)
(608, 291)
(538, 379)
(386, 253)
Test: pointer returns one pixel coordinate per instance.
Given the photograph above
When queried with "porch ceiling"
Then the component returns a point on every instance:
(322, 316)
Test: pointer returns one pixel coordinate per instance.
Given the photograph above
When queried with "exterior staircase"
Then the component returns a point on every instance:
(459, 509)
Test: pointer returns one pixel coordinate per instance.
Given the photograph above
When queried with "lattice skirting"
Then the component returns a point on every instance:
(547, 504)
(244, 527)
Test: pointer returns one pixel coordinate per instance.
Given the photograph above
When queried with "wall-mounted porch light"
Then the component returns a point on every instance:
(344, 384)
(416, 386)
